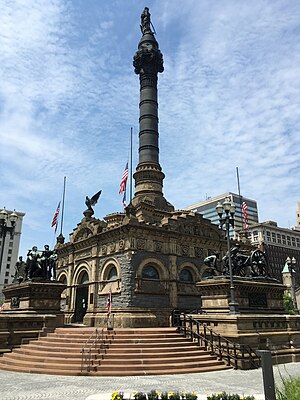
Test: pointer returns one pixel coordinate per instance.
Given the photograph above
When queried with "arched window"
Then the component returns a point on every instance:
(63, 280)
(113, 274)
(186, 276)
(150, 272)
(84, 278)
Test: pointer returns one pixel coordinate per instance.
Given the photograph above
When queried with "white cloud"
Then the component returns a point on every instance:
(229, 97)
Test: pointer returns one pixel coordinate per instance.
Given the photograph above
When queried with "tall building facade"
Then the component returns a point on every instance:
(9, 250)
(278, 244)
(208, 209)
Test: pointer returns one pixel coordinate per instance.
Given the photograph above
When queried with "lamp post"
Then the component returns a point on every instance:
(7, 224)
(226, 213)
(291, 263)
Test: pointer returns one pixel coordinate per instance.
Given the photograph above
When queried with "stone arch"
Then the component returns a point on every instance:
(157, 264)
(81, 280)
(190, 268)
(63, 278)
(107, 267)
(79, 271)
(108, 282)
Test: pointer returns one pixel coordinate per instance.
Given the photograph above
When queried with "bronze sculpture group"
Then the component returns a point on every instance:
(39, 265)
(244, 263)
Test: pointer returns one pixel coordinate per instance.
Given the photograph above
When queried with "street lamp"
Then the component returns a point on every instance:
(226, 213)
(7, 224)
(291, 263)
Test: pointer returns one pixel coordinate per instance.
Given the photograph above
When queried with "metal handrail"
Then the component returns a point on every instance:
(96, 339)
(224, 349)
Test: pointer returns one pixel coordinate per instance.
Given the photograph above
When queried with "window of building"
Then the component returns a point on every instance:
(7, 266)
(150, 272)
(11, 244)
(268, 233)
(7, 273)
(113, 274)
(9, 251)
(186, 276)
(8, 258)
(5, 281)
(84, 278)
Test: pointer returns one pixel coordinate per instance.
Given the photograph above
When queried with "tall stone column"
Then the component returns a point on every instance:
(147, 62)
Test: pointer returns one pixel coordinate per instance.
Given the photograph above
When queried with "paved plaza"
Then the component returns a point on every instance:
(22, 386)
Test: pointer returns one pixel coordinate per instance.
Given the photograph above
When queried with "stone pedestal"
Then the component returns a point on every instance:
(41, 297)
(261, 322)
(30, 309)
(252, 295)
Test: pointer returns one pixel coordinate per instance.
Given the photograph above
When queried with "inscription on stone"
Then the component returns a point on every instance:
(257, 300)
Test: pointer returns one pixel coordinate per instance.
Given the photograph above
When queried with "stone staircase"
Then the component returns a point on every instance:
(123, 352)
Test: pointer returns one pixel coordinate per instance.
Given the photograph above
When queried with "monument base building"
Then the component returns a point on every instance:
(148, 259)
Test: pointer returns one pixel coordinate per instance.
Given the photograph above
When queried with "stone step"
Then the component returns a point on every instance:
(137, 372)
(96, 360)
(125, 352)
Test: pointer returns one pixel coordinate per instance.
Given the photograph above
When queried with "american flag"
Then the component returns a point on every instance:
(123, 184)
(55, 218)
(108, 303)
(245, 208)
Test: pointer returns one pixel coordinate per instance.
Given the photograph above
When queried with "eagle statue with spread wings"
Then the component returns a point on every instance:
(92, 201)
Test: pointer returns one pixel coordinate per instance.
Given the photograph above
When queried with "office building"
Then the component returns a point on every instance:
(9, 250)
(208, 209)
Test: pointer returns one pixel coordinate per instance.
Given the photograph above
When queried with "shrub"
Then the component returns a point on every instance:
(140, 396)
(226, 396)
(153, 395)
(290, 389)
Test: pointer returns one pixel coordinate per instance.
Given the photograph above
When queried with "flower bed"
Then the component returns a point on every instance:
(154, 395)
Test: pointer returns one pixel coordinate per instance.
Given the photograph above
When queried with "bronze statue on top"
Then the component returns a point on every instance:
(39, 265)
(245, 264)
(145, 21)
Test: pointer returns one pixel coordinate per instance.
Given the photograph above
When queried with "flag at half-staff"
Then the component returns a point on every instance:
(244, 209)
(55, 218)
(108, 303)
(123, 184)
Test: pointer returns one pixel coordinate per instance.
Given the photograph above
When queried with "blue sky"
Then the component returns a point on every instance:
(229, 96)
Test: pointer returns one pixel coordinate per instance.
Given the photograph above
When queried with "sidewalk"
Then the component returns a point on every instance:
(19, 386)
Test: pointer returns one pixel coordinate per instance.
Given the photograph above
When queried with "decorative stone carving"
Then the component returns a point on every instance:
(112, 247)
(83, 234)
(185, 250)
(199, 252)
(157, 246)
(104, 249)
(141, 244)
(121, 244)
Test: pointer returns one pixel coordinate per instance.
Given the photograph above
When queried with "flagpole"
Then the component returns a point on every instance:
(239, 190)
(130, 181)
(63, 206)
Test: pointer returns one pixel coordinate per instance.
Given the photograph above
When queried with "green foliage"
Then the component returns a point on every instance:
(140, 396)
(153, 395)
(290, 389)
(174, 396)
(288, 304)
(226, 396)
